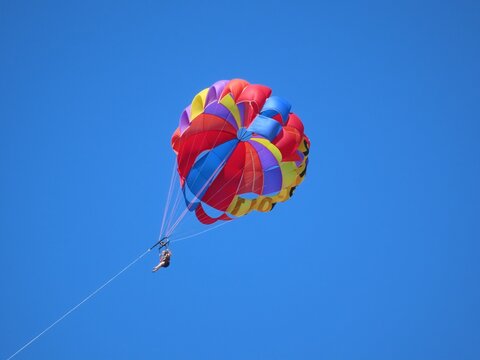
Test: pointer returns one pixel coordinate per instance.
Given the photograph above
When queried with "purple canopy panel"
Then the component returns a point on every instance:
(272, 175)
(241, 109)
(185, 119)
(302, 157)
(272, 181)
(221, 111)
(215, 91)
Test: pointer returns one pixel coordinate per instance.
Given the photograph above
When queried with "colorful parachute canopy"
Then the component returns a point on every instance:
(238, 150)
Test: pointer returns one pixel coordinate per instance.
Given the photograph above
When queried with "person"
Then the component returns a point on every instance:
(164, 260)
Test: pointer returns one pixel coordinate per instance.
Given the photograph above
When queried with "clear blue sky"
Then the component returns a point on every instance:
(375, 257)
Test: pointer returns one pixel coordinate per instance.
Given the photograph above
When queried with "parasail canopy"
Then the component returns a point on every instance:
(238, 149)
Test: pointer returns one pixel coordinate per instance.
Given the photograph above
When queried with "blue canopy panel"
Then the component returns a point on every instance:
(265, 126)
(204, 171)
(264, 123)
(276, 105)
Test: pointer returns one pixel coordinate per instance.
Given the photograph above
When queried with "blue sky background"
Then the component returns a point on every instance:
(375, 257)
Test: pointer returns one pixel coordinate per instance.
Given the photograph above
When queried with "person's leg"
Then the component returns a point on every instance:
(157, 267)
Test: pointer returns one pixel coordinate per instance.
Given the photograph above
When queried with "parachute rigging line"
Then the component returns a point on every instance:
(178, 201)
(198, 233)
(215, 173)
(92, 294)
(79, 304)
(169, 197)
(196, 196)
(171, 230)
